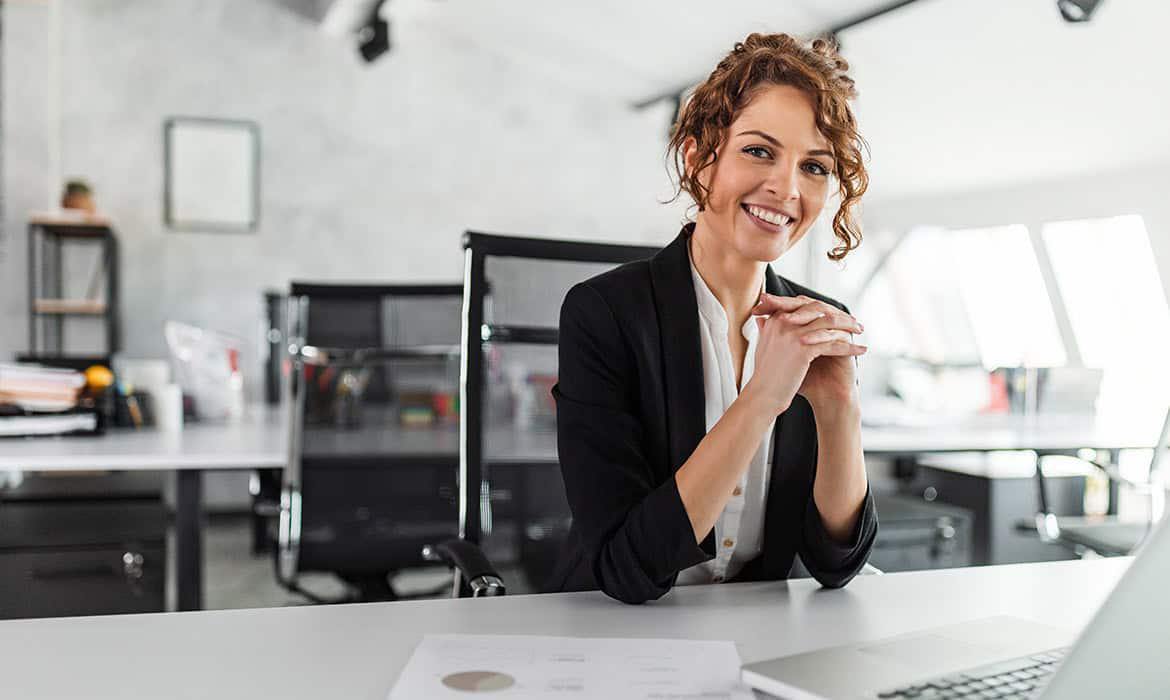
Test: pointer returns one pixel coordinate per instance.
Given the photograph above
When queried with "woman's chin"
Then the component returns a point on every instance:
(762, 247)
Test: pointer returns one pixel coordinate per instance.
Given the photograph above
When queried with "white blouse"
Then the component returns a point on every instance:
(739, 531)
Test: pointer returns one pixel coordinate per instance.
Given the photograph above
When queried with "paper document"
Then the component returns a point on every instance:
(520, 667)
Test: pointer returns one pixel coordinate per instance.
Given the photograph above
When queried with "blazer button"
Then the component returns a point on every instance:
(728, 542)
(717, 579)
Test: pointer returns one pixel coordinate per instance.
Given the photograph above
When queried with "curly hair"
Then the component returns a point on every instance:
(813, 67)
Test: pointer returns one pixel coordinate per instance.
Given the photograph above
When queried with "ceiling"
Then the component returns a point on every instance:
(955, 94)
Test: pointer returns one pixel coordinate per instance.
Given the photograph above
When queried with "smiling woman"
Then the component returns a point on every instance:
(708, 425)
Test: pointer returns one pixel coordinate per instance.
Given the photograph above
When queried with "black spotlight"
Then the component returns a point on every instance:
(374, 37)
(1077, 10)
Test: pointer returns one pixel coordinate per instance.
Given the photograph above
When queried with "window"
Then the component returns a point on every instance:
(1005, 296)
(964, 297)
(1116, 305)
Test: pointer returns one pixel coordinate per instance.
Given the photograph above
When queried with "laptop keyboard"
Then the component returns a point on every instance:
(1018, 678)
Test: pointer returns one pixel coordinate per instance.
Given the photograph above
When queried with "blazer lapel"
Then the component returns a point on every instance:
(682, 359)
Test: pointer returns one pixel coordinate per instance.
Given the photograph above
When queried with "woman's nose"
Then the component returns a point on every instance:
(782, 181)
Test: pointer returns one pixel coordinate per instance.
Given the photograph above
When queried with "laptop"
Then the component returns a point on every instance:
(1120, 654)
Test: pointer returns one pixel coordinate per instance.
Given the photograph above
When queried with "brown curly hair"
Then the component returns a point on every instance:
(777, 59)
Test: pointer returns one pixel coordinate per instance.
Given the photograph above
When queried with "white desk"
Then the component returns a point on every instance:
(260, 441)
(357, 651)
(1053, 434)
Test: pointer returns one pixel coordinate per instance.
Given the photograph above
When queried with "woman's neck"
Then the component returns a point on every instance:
(734, 280)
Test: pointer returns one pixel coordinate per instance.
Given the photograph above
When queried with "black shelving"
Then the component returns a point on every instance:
(48, 310)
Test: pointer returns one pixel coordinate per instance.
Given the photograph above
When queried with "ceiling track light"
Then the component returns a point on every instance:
(374, 37)
(1077, 10)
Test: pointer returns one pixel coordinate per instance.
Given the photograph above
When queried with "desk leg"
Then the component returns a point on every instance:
(189, 538)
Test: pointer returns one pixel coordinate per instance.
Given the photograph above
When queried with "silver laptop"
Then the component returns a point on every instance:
(1121, 654)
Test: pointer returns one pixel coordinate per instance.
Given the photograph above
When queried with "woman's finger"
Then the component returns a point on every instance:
(814, 320)
(826, 335)
(838, 348)
(770, 304)
(805, 315)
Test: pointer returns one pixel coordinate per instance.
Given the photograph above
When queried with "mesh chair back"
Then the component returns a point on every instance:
(373, 453)
(511, 492)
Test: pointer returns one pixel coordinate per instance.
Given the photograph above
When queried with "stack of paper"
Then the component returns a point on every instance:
(521, 667)
(36, 388)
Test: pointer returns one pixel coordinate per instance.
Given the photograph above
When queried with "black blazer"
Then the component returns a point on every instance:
(630, 411)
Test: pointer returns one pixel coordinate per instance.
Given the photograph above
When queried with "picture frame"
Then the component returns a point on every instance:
(211, 174)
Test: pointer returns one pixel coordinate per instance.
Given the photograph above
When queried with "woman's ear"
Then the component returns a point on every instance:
(690, 148)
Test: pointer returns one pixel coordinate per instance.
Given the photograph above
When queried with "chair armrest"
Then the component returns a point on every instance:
(471, 563)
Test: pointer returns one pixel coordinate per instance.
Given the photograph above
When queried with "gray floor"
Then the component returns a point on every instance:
(236, 579)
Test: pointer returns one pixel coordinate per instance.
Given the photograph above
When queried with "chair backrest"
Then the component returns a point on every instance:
(367, 486)
(509, 364)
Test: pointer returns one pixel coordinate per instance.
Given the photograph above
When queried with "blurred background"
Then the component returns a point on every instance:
(241, 323)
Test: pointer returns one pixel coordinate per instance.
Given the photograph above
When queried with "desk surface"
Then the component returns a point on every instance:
(261, 441)
(357, 651)
(1048, 433)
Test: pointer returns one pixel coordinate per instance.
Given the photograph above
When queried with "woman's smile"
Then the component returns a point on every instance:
(769, 219)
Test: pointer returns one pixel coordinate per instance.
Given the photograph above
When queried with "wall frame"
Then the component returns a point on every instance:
(211, 174)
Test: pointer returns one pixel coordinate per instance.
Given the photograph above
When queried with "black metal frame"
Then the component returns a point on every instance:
(47, 250)
(476, 333)
(168, 186)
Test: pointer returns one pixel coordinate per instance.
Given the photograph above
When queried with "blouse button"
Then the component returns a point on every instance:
(728, 542)
(717, 579)
(737, 492)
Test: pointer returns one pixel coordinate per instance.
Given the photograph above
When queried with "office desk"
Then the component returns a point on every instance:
(357, 651)
(258, 442)
(1045, 434)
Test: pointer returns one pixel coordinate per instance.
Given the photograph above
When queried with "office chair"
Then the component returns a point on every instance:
(362, 496)
(1102, 535)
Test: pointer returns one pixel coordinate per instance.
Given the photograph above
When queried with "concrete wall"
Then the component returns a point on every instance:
(369, 172)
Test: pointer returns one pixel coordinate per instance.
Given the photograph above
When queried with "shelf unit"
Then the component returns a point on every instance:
(48, 308)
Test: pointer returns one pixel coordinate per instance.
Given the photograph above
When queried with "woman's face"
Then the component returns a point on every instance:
(771, 175)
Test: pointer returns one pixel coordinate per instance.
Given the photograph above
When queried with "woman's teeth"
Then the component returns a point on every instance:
(769, 216)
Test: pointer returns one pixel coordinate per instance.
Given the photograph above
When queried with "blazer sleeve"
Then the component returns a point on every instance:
(831, 563)
(635, 530)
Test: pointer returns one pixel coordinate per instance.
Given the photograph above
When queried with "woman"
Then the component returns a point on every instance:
(707, 412)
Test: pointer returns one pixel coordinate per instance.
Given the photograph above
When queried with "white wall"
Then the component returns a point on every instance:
(369, 172)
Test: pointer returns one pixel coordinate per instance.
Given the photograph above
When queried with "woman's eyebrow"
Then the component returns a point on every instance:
(777, 144)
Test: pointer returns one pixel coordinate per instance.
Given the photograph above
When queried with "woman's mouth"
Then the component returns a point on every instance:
(768, 219)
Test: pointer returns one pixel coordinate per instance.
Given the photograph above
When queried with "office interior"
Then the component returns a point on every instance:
(286, 197)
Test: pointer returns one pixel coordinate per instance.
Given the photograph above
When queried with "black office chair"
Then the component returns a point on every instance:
(511, 500)
(362, 496)
(1102, 535)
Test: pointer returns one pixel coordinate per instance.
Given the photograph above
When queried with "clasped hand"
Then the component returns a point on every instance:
(805, 347)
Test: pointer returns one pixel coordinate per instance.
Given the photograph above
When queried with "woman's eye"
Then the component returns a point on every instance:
(758, 151)
(816, 168)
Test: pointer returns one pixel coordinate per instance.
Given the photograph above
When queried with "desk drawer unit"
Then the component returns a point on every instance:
(81, 558)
